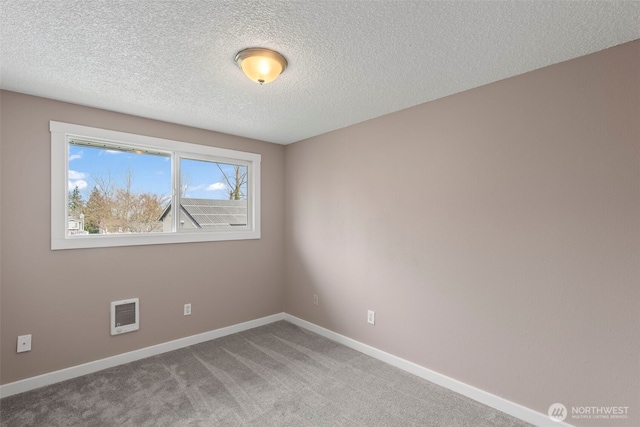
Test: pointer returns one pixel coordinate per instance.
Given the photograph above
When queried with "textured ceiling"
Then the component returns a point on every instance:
(349, 61)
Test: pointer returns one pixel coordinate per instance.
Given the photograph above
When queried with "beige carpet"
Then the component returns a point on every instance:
(274, 375)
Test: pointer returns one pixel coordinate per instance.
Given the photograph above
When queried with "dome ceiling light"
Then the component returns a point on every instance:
(260, 64)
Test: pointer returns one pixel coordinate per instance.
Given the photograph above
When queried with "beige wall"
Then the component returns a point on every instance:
(496, 233)
(62, 297)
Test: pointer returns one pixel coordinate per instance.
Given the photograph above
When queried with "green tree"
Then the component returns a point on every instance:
(76, 204)
(97, 212)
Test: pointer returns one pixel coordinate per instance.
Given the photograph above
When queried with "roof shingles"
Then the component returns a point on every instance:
(209, 213)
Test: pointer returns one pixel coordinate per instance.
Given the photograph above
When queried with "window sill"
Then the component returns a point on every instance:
(114, 240)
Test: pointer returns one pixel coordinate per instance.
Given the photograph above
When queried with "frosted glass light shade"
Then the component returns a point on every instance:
(261, 65)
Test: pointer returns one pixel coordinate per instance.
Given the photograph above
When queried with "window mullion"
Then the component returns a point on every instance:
(175, 197)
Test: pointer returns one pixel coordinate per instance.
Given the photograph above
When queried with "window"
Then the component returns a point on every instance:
(116, 189)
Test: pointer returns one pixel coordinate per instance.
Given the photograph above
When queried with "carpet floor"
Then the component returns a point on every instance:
(274, 375)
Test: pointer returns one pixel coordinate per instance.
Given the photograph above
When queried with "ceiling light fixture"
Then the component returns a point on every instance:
(261, 65)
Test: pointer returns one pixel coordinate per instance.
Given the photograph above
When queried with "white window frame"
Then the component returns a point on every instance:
(62, 133)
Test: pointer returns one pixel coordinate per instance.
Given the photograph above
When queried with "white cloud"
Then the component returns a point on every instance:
(216, 186)
(75, 156)
(196, 187)
(80, 183)
(77, 179)
(76, 175)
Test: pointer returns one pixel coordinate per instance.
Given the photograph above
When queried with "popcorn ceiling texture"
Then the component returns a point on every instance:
(349, 61)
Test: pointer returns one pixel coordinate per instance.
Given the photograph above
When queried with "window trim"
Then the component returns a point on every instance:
(61, 133)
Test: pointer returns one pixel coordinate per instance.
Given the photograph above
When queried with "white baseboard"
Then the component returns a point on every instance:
(515, 410)
(120, 359)
(493, 401)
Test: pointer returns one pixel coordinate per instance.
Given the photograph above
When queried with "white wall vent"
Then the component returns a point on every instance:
(125, 316)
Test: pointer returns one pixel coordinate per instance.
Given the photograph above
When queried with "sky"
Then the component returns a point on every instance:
(151, 173)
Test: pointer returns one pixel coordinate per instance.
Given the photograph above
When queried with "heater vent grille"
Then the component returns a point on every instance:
(125, 316)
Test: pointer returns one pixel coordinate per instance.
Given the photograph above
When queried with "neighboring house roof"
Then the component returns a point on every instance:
(208, 213)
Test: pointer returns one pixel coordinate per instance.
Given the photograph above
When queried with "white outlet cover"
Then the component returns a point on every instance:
(371, 317)
(24, 343)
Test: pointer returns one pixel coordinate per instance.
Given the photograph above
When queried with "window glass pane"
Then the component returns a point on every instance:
(213, 195)
(115, 189)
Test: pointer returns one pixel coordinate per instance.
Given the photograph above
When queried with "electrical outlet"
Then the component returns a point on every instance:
(315, 300)
(24, 343)
(187, 309)
(371, 317)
